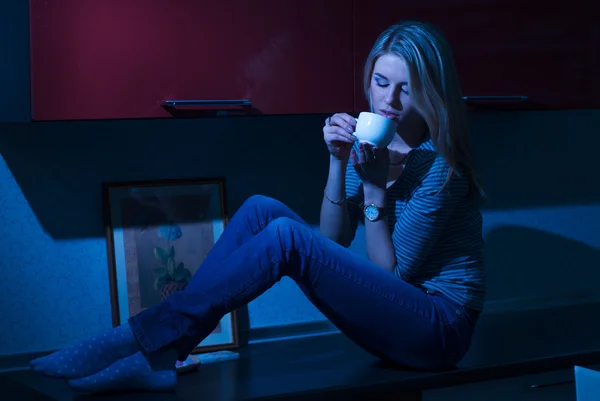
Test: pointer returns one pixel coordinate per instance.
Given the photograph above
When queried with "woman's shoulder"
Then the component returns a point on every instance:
(427, 161)
(431, 169)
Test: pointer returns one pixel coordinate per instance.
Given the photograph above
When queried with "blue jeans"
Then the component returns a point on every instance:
(265, 241)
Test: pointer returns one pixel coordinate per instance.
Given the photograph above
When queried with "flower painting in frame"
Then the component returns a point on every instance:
(158, 234)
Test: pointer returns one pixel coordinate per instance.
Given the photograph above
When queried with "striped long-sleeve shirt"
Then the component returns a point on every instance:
(437, 236)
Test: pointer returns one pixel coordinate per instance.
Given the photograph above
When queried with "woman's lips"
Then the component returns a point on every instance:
(388, 114)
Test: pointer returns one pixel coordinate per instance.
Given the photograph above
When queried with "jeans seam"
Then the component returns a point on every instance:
(273, 263)
(144, 341)
(261, 226)
(362, 285)
(227, 304)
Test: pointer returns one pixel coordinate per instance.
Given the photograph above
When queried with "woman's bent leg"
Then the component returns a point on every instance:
(380, 312)
(95, 354)
(252, 217)
(373, 307)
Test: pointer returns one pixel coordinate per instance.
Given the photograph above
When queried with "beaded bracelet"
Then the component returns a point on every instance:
(332, 201)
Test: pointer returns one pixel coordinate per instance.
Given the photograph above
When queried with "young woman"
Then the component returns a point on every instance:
(422, 284)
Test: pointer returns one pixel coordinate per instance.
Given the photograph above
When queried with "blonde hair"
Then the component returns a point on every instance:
(434, 89)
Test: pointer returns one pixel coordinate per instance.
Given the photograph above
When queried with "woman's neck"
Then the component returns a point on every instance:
(399, 150)
(399, 146)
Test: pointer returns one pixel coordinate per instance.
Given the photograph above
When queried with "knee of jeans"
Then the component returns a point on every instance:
(259, 201)
(283, 223)
(285, 228)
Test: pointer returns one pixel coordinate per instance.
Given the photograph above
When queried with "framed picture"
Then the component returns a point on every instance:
(158, 234)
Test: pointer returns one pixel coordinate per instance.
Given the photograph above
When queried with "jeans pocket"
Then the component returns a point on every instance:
(449, 311)
(454, 314)
(457, 328)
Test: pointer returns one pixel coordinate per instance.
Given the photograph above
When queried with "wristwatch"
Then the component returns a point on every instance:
(373, 212)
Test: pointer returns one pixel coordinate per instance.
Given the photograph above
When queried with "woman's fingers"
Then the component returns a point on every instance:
(344, 121)
(336, 136)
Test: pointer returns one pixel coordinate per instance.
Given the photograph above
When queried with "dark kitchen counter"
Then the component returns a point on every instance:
(330, 367)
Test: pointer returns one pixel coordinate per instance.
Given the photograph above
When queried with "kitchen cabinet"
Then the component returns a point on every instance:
(117, 59)
(505, 50)
(555, 385)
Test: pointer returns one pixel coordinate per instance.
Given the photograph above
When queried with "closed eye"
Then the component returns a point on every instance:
(384, 84)
(381, 83)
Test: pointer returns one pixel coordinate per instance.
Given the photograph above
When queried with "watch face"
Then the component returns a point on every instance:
(371, 212)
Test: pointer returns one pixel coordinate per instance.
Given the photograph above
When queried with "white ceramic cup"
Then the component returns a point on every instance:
(375, 129)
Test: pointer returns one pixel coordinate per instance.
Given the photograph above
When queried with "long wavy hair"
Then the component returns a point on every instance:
(434, 89)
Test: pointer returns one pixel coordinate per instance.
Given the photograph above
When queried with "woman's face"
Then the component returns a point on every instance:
(390, 97)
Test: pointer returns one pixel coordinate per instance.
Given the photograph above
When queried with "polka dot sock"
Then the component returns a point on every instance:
(133, 373)
(89, 356)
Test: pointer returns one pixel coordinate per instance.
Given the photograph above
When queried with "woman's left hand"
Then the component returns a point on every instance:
(371, 164)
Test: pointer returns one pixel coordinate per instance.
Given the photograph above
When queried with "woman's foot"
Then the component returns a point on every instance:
(133, 373)
(89, 356)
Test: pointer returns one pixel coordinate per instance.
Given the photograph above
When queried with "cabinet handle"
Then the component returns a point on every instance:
(206, 103)
(544, 385)
(495, 98)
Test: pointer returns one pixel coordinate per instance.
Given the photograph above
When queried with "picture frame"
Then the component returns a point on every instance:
(157, 234)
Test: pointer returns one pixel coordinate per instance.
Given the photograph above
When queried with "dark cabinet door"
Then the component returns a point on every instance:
(115, 59)
(547, 52)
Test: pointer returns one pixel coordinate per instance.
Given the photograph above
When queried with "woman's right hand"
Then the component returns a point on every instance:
(337, 134)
